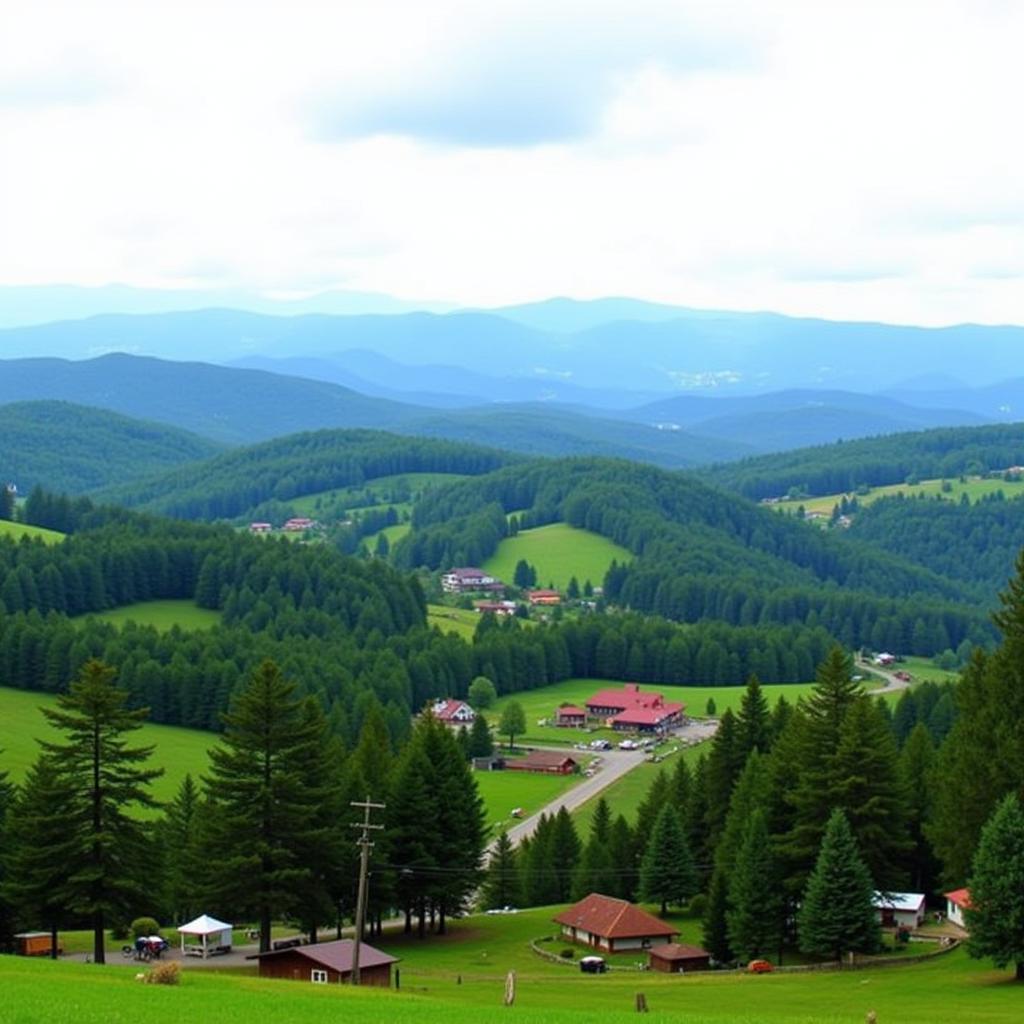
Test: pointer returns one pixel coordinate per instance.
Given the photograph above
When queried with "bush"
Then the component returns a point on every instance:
(698, 905)
(567, 954)
(165, 974)
(120, 931)
(144, 926)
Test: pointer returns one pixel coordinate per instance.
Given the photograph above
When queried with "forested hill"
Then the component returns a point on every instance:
(77, 449)
(702, 553)
(235, 482)
(874, 462)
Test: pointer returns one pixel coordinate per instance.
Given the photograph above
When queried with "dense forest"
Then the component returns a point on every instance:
(875, 462)
(76, 449)
(235, 483)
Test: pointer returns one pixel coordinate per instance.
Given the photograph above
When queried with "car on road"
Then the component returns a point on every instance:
(593, 965)
(600, 745)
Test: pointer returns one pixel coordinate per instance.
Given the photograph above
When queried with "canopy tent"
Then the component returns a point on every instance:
(210, 936)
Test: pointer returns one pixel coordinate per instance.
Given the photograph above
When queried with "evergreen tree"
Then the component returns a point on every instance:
(754, 918)
(259, 790)
(725, 762)
(837, 914)
(480, 742)
(180, 844)
(996, 918)
(565, 853)
(104, 848)
(667, 872)
(572, 591)
(916, 766)
(502, 886)
(7, 794)
(715, 926)
(622, 853)
(512, 722)
(601, 822)
(754, 720)
(6, 502)
(481, 693)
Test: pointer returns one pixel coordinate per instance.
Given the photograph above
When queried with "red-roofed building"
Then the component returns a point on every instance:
(298, 524)
(604, 922)
(549, 762)
(957, 902)
(629, 710)
(673, 958)
(327, 962)
(544, 597)
(260, 527)
(453, 712)
(461, 581)
(570, 717)
(495, 607)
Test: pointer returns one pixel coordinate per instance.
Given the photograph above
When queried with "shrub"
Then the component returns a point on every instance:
(120, 931)
(165, 974)
(698, 905)
(567, 954)
(145, 926)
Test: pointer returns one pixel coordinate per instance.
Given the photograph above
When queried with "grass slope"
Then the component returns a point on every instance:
(178, 751)
(461, 621)
(502, 791)
(558, 552)
(164, 615)
(19, 530)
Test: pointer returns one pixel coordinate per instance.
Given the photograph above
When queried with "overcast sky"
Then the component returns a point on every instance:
(847, 159)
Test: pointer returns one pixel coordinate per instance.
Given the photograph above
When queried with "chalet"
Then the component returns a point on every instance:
(629, 710)
(673, 958)
(550, 762)
(495, 607)
(461, 581)
(957, 902)
(899, 909)
(453, 712)
(299, 524)
(570, 717)
(604, 922)
(260, 527)
(543, 597)
(326, 963)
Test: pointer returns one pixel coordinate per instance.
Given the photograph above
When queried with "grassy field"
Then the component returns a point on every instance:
(380, 489)
(502, 791)
(162, 614)
(975, 488)
(459, 979)
(453, 620)
(558, 552)
(19, 530)
(178, 751)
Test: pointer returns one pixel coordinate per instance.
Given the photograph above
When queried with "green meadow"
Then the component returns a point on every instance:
(558, 552)
(503, 791)
(178, 751)
(453, 620)
(163, 615)
(19, 530)
(352, 499)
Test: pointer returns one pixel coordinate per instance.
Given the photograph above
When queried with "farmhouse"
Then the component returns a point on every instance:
(299, 524)
(613, 925)
(630, 710)
(957, 902)
(327, 963)
(461, 581)
(899, 909)
(543, 597)
(570, 717)
(453, 712)
(551, 762)
(673, 958)
(495, 607)
(260, 527)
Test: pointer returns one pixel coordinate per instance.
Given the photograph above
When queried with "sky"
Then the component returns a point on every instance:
(839, 159)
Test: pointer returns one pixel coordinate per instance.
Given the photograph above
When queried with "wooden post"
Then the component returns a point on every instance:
(364, 863)
(641, 1003)
(510, 988)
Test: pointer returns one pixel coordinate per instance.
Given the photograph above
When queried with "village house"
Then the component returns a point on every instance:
(463, 581)
(604, 922)
(549, 762)
(673, 958)
(326, 963)
(629, 710)
(260, 527)
(570, 717)
(899, 909)
(453, 712)
(503, 608)
(299, 524)
(544, 597)
(957, 902)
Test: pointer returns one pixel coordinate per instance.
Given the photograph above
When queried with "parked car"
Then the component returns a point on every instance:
(593, 965)
(760, 967)
(628, 745)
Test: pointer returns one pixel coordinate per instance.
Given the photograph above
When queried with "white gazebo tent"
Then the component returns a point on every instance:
(208, 935)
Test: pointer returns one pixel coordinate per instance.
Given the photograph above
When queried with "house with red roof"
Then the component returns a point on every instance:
(543, 597)
(604, 922)
(630, 710)
(548, 762)
(325, 963)
(568, 716)
(957, 902)
(453, 712)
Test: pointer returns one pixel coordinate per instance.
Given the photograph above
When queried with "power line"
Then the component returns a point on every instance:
(364, 844)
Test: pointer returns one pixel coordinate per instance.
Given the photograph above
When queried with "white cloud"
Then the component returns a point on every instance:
(832, 159)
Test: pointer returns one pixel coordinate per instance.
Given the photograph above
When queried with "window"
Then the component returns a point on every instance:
(318, 977)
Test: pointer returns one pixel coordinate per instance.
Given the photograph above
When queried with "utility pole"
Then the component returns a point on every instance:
(364, 844)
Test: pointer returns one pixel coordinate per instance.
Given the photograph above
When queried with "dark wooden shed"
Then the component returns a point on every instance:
(36, 944)
(676, 958)
(327, 963)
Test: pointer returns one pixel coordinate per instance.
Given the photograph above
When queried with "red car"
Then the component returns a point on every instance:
(760, 967)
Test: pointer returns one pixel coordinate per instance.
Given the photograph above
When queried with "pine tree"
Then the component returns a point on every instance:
(573, 589)
(996, 917)
(715, 926)
(180, 845)
(667, 872)
(503, 885)
(104, 850)
(622, 853)
(837, 914)
(258, 790)
(916, 766)
(480, 742)
(7, 794)
(725, 762)
(754, 720)
(754, 918)
(565, 853)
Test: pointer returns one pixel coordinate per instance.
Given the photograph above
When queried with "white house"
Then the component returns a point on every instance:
(900, 909)
(957, 902)
(453, 712)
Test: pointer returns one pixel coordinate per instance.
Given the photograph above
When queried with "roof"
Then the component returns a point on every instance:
(204, 925)
(649, 716)
(678, 951)
(910, 901)
(545, 759)
(544, 593)
(446, 710)
(961, 897)
(570, 709)
(613, 919)
(628, 697)
(466, 571)
(337, 955)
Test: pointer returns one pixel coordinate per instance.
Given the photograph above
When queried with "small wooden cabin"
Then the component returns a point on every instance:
(36, 944)
(676, 958)
(327, 963)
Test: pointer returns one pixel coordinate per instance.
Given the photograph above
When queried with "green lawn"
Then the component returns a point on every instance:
(162, 614)
(453, 620)
(460, 978)
(178, 751)
(502, 791)
(19, 530)
(558, 552)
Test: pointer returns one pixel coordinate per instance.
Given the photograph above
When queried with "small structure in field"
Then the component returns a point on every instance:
(568, 716)
(299, 524)
(205, 936)
(452, 712)
(543, 597)
(899, 909)
(957, 902)
(36, 944)
(550, 762)
(604, 922)
(674, 958)
(326, 963)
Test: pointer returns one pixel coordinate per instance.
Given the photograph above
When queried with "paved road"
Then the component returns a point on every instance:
(892, 684)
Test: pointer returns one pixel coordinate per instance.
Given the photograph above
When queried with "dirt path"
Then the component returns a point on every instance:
(892, 684)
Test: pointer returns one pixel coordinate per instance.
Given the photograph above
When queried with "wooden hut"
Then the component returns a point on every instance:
(676, 958)
(327, 963)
